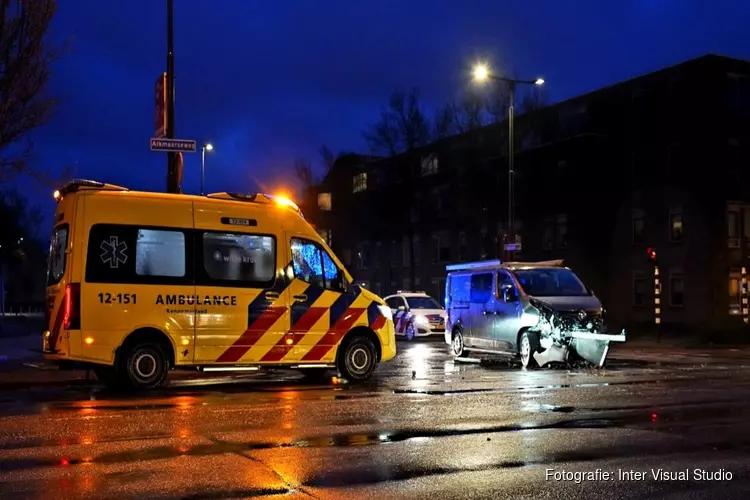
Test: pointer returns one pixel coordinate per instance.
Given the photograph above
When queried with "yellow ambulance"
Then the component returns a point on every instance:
(139, 283)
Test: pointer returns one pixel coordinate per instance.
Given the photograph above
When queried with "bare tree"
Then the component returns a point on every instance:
(533, 100)
(303, 171)
(403, 128)
(26, 55)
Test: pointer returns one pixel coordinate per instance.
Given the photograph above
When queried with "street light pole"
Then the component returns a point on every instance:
(482, 73)
(206, 147)
(172, 175)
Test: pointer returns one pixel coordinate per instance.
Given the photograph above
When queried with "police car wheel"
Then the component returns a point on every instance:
(357, 359)
(145, 366)
(410, 331)
(527, 346)
(457, 345)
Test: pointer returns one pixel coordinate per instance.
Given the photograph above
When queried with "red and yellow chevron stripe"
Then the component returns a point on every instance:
(313, 326)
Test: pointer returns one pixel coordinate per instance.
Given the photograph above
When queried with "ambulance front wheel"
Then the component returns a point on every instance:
(357, 359)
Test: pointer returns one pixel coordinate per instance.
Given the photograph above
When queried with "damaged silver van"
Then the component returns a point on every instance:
(539, 311)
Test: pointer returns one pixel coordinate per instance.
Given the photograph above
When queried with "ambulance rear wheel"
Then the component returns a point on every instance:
(357, 359)
(144, 366)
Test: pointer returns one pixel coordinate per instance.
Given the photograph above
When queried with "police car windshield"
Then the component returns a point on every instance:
(551, 283)
(422, 303)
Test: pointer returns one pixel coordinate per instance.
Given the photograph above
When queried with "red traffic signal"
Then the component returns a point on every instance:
(651, 254)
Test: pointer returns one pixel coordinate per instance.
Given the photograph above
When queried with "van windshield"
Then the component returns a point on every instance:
(551, 283)
(57, 255)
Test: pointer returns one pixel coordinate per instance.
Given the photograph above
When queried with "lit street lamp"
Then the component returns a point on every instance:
(206, 147)
(482, 74)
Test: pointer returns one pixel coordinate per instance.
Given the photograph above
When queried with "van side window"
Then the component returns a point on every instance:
(460, 289)
(481, 287)
(244, 258)
(119, 253)
(330, 271)
(160, 253)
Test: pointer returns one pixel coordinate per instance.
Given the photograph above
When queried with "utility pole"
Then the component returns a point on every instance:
(511, 167)
(172, 174)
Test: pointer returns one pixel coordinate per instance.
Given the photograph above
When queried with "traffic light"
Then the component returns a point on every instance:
(651, 254)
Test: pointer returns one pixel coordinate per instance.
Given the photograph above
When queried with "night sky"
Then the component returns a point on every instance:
(269, 81)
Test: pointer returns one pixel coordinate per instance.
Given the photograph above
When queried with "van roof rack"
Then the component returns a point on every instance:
(543, 263)
(257, 198)
(465, 266)
(78, 184)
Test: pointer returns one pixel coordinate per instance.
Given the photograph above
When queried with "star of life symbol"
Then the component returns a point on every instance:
(113, 252)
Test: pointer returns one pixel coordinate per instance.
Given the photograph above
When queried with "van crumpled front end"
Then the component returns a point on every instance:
(562, 333)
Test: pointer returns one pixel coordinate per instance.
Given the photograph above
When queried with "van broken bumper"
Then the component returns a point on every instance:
(592, 347)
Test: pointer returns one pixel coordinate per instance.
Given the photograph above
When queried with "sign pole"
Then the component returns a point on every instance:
(657, 303)
(172, 181)
(743, 295)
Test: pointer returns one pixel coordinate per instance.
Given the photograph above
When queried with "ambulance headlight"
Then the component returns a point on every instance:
(386, 311)
(421, 320)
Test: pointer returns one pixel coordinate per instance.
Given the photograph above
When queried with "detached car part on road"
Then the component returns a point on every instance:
(140, 283)
(541, 312)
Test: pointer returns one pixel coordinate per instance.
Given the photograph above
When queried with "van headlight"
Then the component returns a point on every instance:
(386, 311)
(421, 320)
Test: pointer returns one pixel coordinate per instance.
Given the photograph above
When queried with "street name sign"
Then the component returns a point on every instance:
(173, 145)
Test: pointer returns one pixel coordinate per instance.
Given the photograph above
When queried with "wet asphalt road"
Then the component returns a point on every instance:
(424, 428)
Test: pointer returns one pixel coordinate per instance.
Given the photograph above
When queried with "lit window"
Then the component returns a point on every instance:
(360, 182)
(676, 230)
(326, 235)
(324, 201)
(735, 292)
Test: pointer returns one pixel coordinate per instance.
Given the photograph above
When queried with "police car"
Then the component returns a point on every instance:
(416, 314)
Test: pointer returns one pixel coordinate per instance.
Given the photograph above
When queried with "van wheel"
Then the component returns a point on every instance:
(527, 346)
(356, 359)
(457, 345)
(144, 366)
(317, 374)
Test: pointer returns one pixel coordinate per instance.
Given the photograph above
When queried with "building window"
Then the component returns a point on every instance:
(429, 165)
(548, 235)
(324, 201)
(676, 230)
(346, 257)
(359, 182)
(733, 228)
(676, 289)
(395, 250)
(405, 252)
(405, 284)
(640, 290)
(363, 256)
(562, 231)
(463, 247)
(377, 254)
(639, 226)
(735, 292)
(417, 250)
(441, 248)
